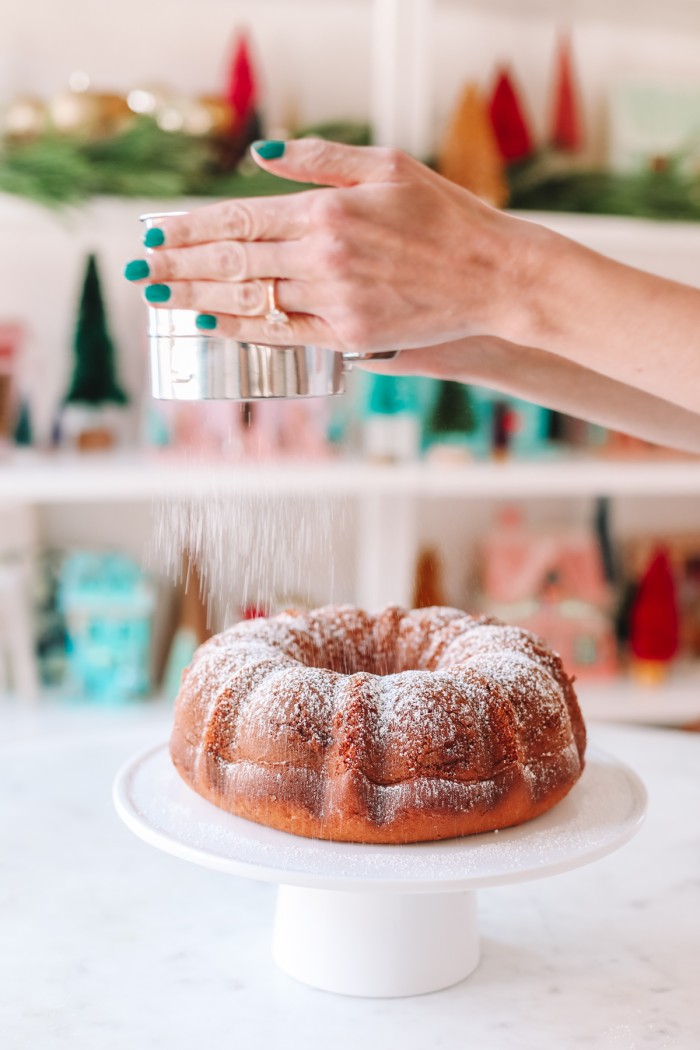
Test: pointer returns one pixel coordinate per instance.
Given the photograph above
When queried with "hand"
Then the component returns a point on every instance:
(392, 257)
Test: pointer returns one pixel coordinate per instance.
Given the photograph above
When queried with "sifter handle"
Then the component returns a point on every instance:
(383, 355)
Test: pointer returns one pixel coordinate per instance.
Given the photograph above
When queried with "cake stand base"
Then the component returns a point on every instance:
(379, 945)
(380, 920)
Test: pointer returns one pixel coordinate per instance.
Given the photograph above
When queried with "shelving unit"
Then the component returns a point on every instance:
(119, 478)
(390, 505)
(387, 501)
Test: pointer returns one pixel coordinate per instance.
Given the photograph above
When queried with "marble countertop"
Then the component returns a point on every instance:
(108, 944)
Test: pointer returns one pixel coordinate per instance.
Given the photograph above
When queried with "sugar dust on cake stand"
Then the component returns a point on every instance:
(380, 920)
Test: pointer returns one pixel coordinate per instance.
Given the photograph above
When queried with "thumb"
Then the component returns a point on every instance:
(329, 163)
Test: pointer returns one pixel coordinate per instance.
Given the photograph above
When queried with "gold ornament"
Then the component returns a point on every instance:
(25, 118)
(220, 112)
(148, 99)
(470, 155)
(90, 114)
(204, 115)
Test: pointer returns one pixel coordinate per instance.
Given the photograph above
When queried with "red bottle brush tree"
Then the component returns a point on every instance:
(241, 89)
(654, 620)
(241, 93)
(566, 117)
(508, 119)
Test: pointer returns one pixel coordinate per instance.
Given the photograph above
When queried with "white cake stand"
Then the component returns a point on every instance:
(380, 920)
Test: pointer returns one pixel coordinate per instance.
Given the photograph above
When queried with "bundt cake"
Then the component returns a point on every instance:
(396, 727)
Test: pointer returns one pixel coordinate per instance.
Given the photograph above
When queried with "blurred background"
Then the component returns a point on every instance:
(130, 529)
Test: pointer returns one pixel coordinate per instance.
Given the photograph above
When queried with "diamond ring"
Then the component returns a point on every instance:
(274, 315)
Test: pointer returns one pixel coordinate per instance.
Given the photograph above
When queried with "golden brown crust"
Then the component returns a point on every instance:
(401, 727)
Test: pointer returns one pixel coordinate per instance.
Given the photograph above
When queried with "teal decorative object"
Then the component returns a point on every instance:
(107, 602)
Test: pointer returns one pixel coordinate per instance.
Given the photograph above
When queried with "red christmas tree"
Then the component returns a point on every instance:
(566, 121)
(241, 91)
(654, 624)
(508, 119)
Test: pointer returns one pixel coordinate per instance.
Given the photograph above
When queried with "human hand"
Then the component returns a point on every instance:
(392, 257)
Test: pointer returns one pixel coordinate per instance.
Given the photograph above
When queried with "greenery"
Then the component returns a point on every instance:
(142, 161)
(669, 192)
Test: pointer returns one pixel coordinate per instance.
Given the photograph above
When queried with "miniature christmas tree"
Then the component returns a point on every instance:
(94, 380)
(241, 89)
(23, 434)
(241, 95)
(508, 120)
(453, 411)
(566, 122)
(470, 154)
(654, 620)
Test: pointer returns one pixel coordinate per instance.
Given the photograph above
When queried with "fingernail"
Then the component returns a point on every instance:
(154, 237)
(269, 149)
(157, 293)
(136, 270)
(206, 321)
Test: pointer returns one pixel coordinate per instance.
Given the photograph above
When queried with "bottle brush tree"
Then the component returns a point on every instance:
(654, 621)
(453, 410)
(94, 380)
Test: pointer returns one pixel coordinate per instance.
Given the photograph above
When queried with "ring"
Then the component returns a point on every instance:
(274, 315)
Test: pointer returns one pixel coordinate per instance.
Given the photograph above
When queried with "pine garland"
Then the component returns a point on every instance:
(667, 193)
(142, 161)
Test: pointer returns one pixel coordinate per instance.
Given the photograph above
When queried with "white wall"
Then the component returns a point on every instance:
(314, 55)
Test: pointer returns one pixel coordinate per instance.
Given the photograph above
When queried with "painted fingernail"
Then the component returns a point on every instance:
(154, 237)
(206, 321)
(136, 270)
(157, 293)
(269, 149)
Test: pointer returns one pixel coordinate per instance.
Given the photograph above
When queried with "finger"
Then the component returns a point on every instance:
(239, 298)
(333, 163)
(300, 330)
(248, 219)
(228, 261)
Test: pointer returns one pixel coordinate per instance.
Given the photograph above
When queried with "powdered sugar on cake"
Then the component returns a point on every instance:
(430, 708)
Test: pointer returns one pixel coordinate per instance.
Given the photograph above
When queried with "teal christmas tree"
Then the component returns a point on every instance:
(94, 380)
(453, 410)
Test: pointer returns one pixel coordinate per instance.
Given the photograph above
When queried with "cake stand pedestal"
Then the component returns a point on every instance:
(380, 920)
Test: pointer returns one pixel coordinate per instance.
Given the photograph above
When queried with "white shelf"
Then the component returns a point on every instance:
(675, 702)
(61, 478)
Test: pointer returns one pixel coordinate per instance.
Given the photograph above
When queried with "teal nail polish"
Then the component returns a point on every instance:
(206, 321)
(136, 270)
(157, 293)
(269, 149)
(154, 237)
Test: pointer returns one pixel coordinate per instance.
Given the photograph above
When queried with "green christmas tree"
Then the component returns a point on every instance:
(94, 380)
(453, 410)
(23, 434)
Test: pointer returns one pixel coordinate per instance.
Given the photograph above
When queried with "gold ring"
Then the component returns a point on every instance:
(274, 315)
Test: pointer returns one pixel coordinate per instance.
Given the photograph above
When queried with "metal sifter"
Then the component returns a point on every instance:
(190, 365)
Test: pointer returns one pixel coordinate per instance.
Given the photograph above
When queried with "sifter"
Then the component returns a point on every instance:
(190, 365)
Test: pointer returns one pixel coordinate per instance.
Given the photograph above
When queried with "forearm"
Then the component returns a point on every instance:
(556, 383)
(638, 329)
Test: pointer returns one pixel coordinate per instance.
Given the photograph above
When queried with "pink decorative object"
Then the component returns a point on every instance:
(11, 336)
(551, 583)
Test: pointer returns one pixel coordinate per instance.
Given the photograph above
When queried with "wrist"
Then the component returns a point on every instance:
(528, 311)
